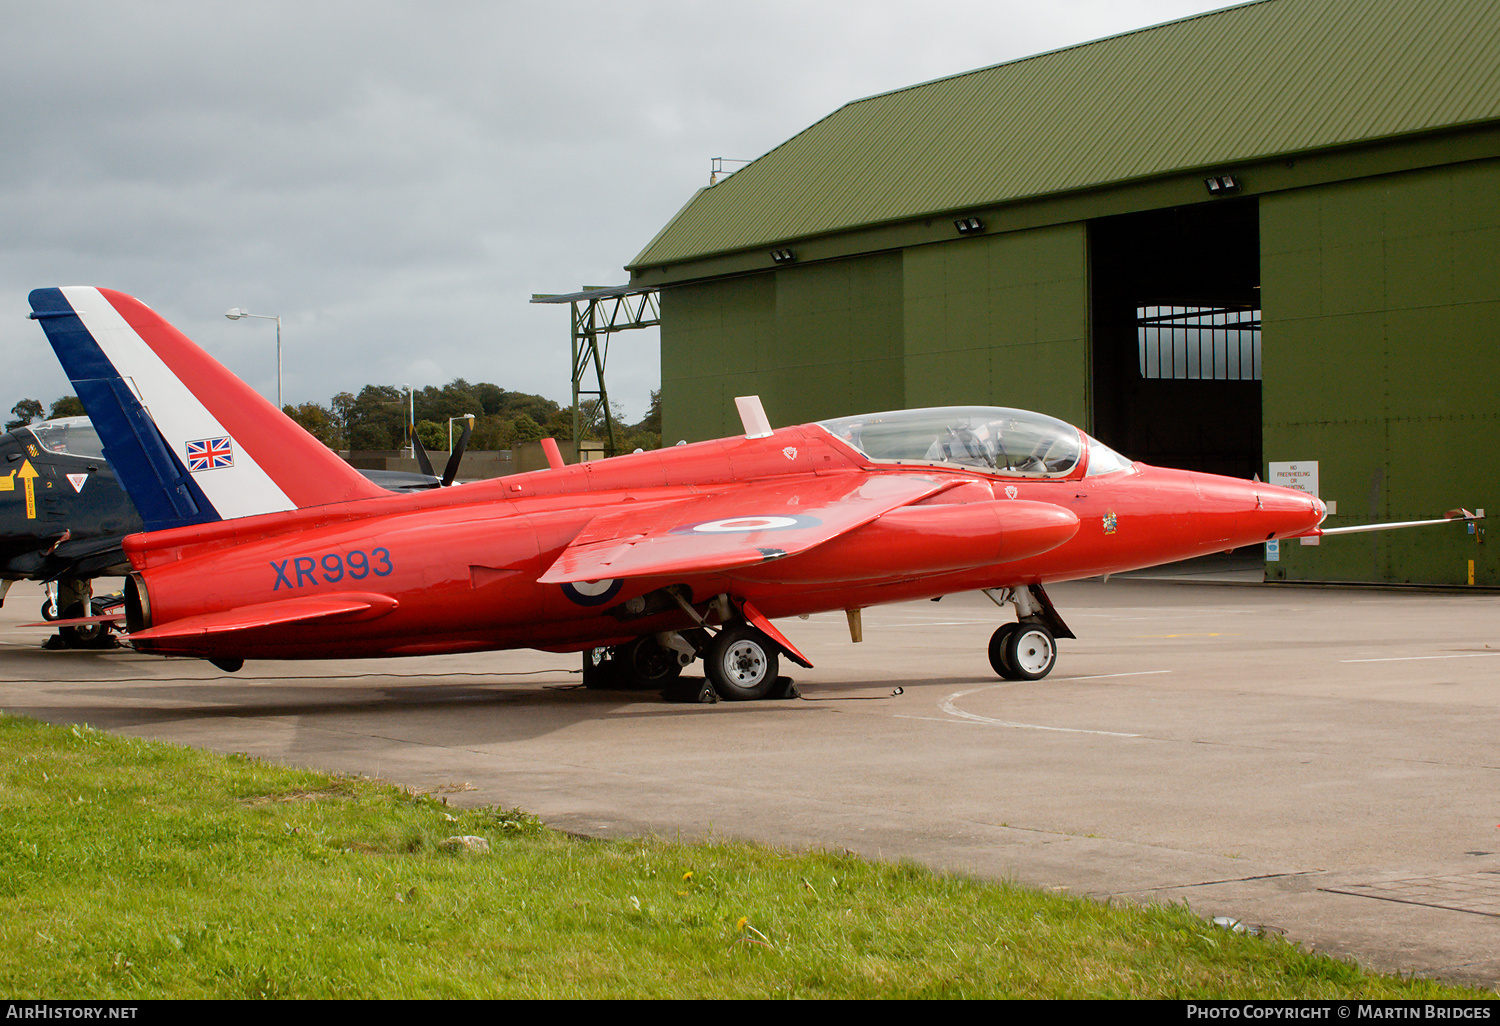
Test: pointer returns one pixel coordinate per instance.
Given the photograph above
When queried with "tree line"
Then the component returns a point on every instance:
(376, 418)
(29, 411)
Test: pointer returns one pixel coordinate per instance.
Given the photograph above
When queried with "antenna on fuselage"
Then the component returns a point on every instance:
(753, 416)
(553, 453)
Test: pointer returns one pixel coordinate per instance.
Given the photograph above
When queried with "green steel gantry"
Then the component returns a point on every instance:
(599, 312)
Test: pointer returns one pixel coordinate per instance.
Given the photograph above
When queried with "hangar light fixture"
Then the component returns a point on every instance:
(783, 256)
(968, 225)
(1221, 185)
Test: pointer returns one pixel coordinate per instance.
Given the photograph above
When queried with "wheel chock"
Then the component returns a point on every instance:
(693, 690)
(784, 687)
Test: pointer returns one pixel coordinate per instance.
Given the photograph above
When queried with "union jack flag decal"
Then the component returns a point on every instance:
(210, 454)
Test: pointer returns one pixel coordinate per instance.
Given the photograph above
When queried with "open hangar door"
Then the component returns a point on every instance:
(1176, 336)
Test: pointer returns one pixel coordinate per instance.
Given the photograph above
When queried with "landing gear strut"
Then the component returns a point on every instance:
(1026, 649)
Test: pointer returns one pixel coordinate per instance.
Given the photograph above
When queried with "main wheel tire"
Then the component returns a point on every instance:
(1031, 652)
(741, 663)
(88, 635)
(648, 664)
(998, 643)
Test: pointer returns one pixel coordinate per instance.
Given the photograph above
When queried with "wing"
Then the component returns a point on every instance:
(746, 525)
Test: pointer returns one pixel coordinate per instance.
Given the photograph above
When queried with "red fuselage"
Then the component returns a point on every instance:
(457, 569)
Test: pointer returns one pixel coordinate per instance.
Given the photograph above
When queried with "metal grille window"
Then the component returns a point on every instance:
(1199, 342)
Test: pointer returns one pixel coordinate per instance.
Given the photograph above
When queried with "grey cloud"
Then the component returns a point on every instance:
(395, 179)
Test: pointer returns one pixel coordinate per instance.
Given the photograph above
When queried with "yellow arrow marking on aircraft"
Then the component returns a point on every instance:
(8, 482)
(28, 475)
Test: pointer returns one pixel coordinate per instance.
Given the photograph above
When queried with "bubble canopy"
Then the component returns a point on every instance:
(74, 436)
(991, 439)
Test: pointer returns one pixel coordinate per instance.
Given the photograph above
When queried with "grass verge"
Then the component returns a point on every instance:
(135, 869)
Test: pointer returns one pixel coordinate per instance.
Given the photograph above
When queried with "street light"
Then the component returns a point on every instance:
(236, 313)
(467, 416)
(411, 420)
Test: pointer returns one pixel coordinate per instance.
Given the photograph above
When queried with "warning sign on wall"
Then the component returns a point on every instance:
(1302, 475)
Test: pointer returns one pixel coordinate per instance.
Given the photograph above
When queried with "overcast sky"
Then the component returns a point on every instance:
(396, 179)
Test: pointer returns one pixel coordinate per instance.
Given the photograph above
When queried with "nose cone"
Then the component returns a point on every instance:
(1286, 512)
(1252, 511)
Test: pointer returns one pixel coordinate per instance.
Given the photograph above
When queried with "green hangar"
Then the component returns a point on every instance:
(1262, 237)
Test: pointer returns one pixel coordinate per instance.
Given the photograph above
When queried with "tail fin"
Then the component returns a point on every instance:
(191, 442)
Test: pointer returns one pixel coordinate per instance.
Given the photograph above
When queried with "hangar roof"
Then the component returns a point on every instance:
(1263, 79)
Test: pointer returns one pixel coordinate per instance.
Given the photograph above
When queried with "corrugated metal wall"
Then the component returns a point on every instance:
(818, 341)
(1381, 310)
(1000, 321)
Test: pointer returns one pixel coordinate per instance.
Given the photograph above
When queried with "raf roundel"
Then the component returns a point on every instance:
(748, 525)
(593, 593)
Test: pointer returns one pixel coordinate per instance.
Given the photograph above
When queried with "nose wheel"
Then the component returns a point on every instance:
(1026, 649)
(1023, 651)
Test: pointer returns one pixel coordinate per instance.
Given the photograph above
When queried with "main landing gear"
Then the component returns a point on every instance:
(72, 599)
(740, 663)
(641, 665)
(1026, 649)
(741, 658)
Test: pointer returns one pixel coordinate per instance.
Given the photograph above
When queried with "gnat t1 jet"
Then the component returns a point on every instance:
(62, 516)
(260, 543)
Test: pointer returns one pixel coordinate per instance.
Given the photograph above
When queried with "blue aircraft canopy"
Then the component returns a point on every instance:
(987, 438)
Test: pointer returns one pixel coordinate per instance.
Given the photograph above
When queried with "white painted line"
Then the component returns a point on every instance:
(1103, 676)
(933, 623)
(1412, 659)
(876, 622)
(947, 706)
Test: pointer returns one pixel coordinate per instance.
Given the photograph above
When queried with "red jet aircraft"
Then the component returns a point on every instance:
(260, 543)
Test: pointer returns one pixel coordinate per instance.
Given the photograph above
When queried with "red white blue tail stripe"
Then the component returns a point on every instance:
(190, 441)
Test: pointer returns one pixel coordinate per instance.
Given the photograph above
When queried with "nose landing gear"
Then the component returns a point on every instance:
(1026, 649)
(1020, 651)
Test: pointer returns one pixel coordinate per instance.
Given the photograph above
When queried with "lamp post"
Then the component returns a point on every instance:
(236, 313)
(467, 416)
(411, 420)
